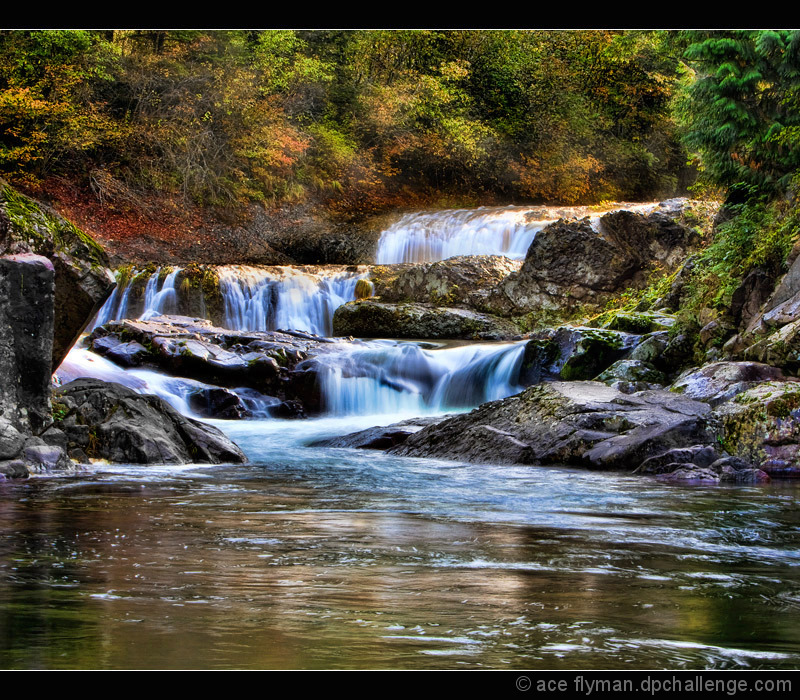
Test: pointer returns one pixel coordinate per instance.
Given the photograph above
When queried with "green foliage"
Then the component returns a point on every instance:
(761, 234)
(740, 112)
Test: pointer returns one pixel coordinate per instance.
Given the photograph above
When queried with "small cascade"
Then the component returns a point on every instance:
(160, 301)
(383, 377)
(253, 298)
(176, 391)
(266, 299)
(432, 236)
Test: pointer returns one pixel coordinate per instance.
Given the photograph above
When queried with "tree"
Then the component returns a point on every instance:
(740, 113)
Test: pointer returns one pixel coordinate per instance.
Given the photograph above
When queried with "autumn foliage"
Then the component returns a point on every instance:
(361, 121)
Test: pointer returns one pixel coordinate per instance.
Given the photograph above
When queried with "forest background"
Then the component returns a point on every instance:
(356, 123)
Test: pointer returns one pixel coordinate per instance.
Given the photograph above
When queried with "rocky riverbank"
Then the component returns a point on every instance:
(613, 390)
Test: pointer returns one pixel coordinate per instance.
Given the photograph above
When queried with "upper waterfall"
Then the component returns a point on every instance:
(430, 236)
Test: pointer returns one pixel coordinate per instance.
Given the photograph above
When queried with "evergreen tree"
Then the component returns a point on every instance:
(741, 113)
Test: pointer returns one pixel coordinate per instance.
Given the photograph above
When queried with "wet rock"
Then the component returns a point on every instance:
(701, 456)
(380, 437)
(578, 422)
(110, 421)
(372, 319)
(131, 354)
(216, 402)
(265, 361)
(691, 473)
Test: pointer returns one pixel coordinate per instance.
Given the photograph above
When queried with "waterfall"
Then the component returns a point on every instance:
(265, 299)
(254, 298)
(163, 300)
(384, 376)
(432, 236)
(438, 235)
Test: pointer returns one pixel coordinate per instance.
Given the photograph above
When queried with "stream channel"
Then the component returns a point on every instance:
(322, 558)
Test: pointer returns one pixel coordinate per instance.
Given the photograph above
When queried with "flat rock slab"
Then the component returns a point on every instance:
(584, 423)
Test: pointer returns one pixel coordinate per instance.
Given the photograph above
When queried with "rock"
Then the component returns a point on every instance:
(570, 264)
(265, 361)
(701, 456)
(635, 321)
(583, 352)
(749, 296)
(780, 349)
(578, 422)
(216, 402)
(761, 425)
(82, 279)
(45, 458)
(721, 381)
(691, 473)
(372, 319)
(651, 348)
(131, 354)
(26, 340)
(465, 281)
(632, 375)
(110, 421)
(380, 437)
(744, 476)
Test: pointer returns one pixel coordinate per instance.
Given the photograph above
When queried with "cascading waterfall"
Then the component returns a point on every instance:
(159, 298)
(160, 301)
(383, 377)
(438, 235)
(432, 236)
(254, 298)
(265, 299)
(363, 378)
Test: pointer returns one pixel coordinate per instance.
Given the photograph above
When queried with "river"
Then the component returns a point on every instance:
(313, 558)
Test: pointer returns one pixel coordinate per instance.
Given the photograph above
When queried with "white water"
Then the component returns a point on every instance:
(432, 236)
(266, 299)
(383, 376)
(254, 298)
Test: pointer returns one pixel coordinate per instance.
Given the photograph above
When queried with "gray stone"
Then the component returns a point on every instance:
(110, 421)
(578, 422)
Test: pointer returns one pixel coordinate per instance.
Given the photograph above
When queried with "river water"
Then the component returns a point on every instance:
(316, 558)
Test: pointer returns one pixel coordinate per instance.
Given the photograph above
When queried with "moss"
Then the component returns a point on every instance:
(364, 289)
(594, 353)
(40, 227)
(59, 411)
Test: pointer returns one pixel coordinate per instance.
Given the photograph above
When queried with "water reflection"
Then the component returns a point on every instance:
(359, 560)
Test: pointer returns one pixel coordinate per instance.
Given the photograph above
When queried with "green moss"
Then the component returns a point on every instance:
(59, 411)
(40, 227)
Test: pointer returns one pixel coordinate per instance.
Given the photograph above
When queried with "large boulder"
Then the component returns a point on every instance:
(82, 279)
(26, 339)
(718, 382)
(103, 420)
(578, 422)
(574, 264)
(368, 318)
(762, 426)
(465, 281)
